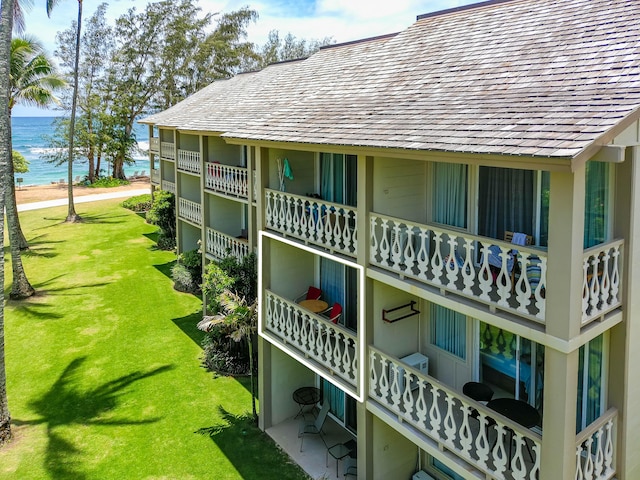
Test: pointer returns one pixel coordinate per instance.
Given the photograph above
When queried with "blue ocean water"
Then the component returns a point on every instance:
(28, 137)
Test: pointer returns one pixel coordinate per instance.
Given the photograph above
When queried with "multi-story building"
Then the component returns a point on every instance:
(467, 191)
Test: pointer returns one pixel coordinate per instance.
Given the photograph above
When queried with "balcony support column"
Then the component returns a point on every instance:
(564, 317)
(624, 382)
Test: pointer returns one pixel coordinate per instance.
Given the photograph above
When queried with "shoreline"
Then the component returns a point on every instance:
(38, 193)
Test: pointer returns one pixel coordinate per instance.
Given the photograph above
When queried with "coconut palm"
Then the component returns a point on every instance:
(72, 216)
(6, 25)
(32, 81)
(241, 320)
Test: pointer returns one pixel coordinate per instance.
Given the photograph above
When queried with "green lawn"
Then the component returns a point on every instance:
(103, 366)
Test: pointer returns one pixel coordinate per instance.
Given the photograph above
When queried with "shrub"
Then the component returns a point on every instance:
(163, 214)
(139, 203)
(108, 182)
(183, 280)
(214, 281)
(222, 357)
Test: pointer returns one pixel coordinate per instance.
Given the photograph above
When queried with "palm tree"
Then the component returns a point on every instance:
(32, 81)
(72, 216)
(6, 25)
(242, 321)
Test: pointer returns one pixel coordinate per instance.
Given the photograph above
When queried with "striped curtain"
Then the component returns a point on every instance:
(450, 194)
(448, 330)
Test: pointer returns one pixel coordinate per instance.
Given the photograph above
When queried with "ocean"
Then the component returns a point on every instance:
(28, 138)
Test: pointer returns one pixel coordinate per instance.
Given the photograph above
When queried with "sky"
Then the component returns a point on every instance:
(343, 20)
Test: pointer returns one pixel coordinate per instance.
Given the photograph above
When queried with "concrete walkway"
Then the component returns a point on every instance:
(84, 198)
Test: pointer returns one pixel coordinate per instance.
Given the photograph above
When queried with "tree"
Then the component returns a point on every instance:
(291, 48)
(32, 81)
(6, 25)
(72, 216)
(241, 318)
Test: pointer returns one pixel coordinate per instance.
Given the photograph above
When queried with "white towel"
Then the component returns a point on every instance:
(519, 238)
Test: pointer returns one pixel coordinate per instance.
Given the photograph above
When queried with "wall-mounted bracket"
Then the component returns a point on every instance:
(399, 313)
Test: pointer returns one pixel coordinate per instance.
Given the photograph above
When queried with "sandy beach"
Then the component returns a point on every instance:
(38, 193)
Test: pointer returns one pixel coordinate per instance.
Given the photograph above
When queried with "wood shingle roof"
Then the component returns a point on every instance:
(547, 78)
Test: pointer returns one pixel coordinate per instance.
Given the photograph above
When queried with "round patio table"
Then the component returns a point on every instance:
(305, 396)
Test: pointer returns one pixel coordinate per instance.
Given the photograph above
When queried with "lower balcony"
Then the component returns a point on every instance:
(155, 176)
(190, 211)
(332, 349)
(168, 186)
(220, 245)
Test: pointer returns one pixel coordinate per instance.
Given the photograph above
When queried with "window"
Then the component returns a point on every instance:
(338, 178)
(342, 406)
(448, 330)
(596, 203)
(591, 382)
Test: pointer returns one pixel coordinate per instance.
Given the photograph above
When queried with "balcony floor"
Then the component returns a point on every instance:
(313, 458)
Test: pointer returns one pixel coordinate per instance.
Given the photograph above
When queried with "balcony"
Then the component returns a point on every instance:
(328, 225)
(459, 262)
(220, 245)
(595, 448)
(167, 151)
(333, 348)
(189, 161)
(155, 176)
(227, 180)
(168, 186)
(154, 144)
(487, 441)
(190, 211)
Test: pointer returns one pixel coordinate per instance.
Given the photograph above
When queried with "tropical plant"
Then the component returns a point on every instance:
(163, 214)
(72, 216)
(6, 25)
(241, 320)
(139, 203)
(33, 81)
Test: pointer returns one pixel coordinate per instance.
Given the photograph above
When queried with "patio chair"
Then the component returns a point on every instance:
(334, 313)
(142, 173)
(312, 293)
(135, 175)
(315, 427)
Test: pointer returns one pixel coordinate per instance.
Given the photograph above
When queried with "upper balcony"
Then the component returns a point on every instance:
(499, 274)
(189, 161)
(190, 211)
(167, 151)
(227, 179)
(154, 144)
(168, 186)
(315, 221)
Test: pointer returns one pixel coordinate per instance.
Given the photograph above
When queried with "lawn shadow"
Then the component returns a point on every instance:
(165, 268)
(65, 404)
(189, 326)
(105, 218)
(252, 452)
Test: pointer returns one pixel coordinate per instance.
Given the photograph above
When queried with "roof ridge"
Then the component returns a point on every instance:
(471, 6)
(361, 40)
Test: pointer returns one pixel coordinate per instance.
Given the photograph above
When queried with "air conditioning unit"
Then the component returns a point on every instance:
(416, 361)
(421, 475)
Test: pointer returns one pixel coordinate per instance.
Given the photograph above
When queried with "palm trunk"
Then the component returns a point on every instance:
(21, 288)
(6, 24)
(72, 216)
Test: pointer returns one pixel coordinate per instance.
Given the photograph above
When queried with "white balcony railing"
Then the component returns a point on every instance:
(168, 186)
(601, 290)
(460, 262)
(329, 225)
(154, 144)
(227, 179)
(190, 211)
(167, 150)
(189, 161)
(595, 448)
(495, 445)
(155, 176)
(221, 245)
(331, 345)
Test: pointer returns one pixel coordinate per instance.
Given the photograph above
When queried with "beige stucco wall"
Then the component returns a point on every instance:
(224, 215)
(189, 187)
(189, 142)
(168, 171)
(394, 457)
(400, 189)
(292, 269)
(217, 150)
(188, 236)
(286, 376)
(302, 166)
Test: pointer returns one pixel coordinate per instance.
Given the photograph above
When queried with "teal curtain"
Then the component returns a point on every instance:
(449, 330)
(332, 177)
(590, 388)
(450, 194)
(505, 201)
(545, 187)
(596, 203)
(332, 279)
(335, 396)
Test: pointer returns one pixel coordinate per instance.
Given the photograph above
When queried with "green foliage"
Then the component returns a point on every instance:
(108, 182)
(139, 203)
(163, 214)
(20, 164)
(229, 273)
(214, 281)
(291, 48)
(187, 272)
